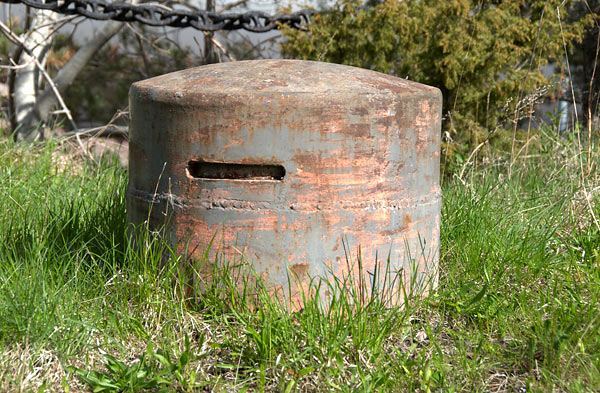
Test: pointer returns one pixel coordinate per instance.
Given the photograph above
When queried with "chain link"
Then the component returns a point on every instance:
(154, 14)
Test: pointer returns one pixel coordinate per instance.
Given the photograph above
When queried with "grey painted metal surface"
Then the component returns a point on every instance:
(284, 161)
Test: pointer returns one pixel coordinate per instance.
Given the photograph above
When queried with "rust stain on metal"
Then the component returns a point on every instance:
(300, 269)
(285, 160)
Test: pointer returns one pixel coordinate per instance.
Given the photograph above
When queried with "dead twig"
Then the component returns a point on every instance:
(105, 131)
(110, 129)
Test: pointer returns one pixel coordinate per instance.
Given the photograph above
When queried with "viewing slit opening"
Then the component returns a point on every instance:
(222, 170)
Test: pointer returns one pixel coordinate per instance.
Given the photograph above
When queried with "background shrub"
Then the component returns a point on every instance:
(485, 56)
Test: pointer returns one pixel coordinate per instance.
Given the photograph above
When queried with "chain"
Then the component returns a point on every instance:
(154, 14)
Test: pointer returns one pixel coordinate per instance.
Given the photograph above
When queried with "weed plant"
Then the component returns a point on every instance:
(517, 307)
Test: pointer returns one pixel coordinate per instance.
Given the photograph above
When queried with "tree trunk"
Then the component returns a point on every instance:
(209, 50)
(32, 107)
(47, 99)
(26, 80)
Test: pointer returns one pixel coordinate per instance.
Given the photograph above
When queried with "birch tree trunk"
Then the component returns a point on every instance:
(47, 100)
(27, 78)
(32, 107)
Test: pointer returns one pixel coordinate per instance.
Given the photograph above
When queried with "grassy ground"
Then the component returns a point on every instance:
(517, 308)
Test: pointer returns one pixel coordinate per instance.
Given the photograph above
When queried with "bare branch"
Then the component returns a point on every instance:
(232, 5)
(16, 66)
(221, 48)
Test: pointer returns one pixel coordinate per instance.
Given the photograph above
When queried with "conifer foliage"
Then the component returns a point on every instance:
(485, 56)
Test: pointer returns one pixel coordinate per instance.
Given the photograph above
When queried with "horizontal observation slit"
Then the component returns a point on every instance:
(231, 171)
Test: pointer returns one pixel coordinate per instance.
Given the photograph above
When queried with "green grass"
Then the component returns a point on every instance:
(517, 308)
